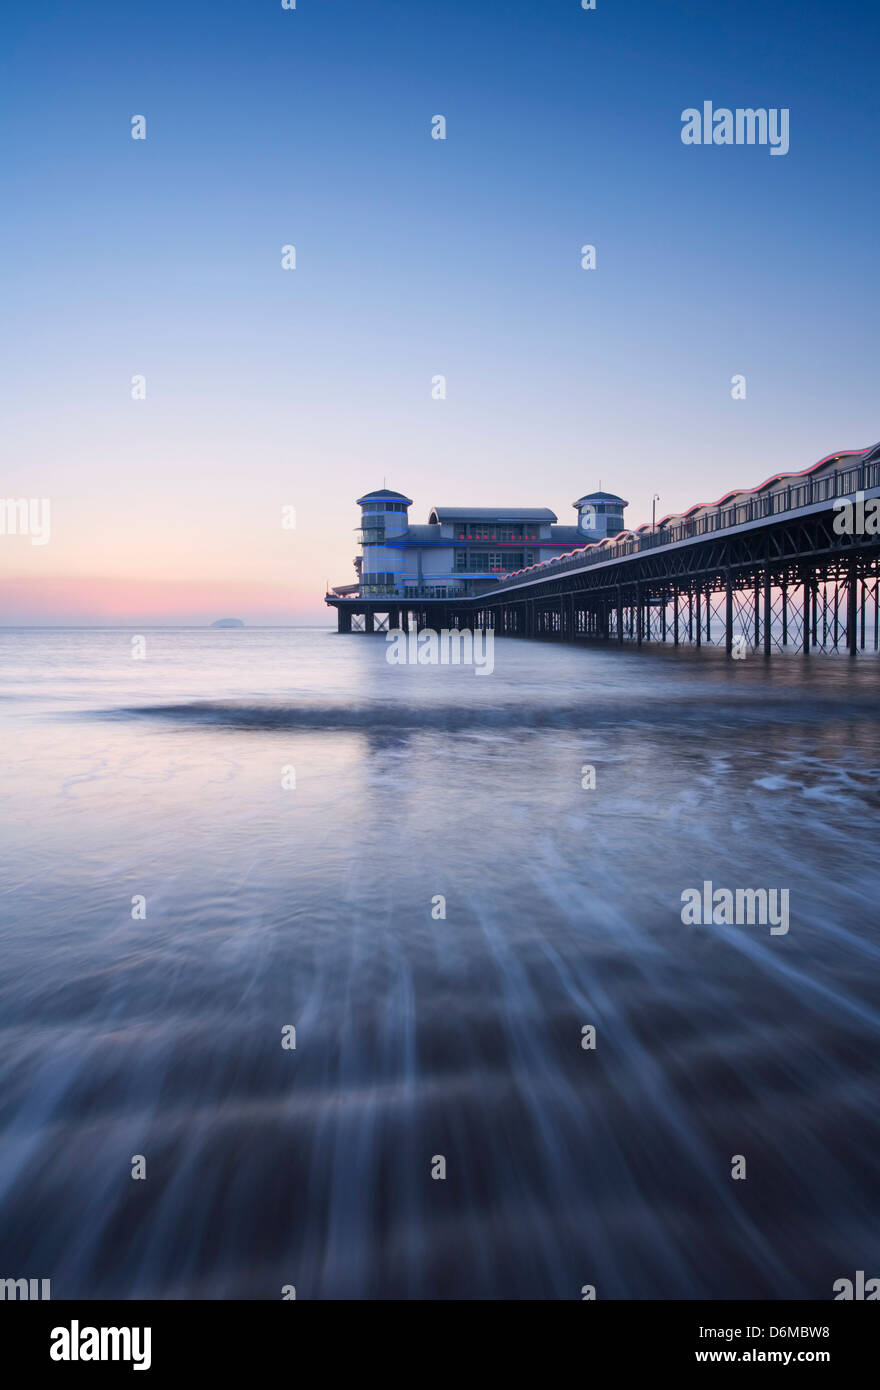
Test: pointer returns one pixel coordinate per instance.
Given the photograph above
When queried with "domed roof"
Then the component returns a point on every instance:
(600, 497)
(384, 494)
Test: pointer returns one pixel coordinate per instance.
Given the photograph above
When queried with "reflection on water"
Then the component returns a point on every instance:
(418, 1035)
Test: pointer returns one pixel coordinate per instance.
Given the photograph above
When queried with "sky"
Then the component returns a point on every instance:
(271, 388)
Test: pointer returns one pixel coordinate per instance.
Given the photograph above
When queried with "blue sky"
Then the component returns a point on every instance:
(415, 257)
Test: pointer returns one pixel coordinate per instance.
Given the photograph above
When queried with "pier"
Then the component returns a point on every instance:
(781, 568)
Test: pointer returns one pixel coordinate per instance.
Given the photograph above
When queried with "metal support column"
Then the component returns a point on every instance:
(852, 610)
(807, 606)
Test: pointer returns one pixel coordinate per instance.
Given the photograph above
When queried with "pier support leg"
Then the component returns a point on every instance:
(862, 625)
(768, 611)
(852, 636)
(807, 606)
(728, 615)
(836, 626)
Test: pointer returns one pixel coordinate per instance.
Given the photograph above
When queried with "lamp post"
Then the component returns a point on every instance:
(654, 501)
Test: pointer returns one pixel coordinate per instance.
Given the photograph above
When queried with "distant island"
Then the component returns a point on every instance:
(228, 622)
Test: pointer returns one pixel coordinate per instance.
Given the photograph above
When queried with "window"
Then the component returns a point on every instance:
(491, 561)
(483, 531)
(372, 535)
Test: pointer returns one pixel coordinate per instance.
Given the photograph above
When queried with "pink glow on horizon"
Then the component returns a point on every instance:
(50, 600)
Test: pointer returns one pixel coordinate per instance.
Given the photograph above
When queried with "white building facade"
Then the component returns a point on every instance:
(465, 550)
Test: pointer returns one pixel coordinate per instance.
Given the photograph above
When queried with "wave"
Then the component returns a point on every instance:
(748, 709)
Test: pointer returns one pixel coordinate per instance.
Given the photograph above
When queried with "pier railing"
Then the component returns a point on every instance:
(786, 498)
(399, 598)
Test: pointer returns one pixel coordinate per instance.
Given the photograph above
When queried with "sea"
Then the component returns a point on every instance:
(372, 981)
